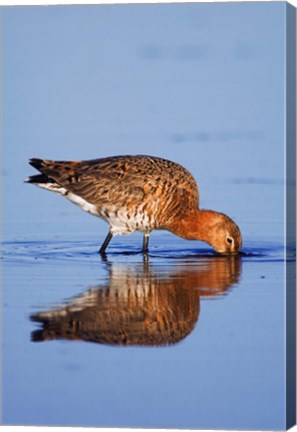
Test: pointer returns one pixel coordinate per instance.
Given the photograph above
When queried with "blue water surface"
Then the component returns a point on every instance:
(181, 338)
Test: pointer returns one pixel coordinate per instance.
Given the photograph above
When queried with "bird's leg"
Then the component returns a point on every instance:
(145, 243)
(105, 243)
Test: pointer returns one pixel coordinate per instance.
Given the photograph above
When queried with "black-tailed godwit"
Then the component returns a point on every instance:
(142, 193)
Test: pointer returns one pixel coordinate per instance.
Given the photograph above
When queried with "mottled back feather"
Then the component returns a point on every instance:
(129, 182)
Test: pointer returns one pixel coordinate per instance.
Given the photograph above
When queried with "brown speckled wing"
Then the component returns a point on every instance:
(125, 180)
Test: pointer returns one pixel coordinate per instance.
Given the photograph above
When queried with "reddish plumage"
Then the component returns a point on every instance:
(139, 193)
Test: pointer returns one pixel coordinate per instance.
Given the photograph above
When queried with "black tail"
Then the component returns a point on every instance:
(39, 178)
(36, 163)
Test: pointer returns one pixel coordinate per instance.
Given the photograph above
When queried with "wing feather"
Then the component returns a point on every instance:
(120, 178)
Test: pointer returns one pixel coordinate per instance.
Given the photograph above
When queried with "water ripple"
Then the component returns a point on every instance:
(41, 251)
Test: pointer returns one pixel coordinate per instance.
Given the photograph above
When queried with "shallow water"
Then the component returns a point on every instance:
(178, 338)
(182, 338)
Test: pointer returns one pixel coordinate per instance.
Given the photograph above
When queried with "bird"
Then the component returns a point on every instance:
(138, 193)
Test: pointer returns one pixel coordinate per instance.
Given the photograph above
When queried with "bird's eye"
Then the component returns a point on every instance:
(229, 240)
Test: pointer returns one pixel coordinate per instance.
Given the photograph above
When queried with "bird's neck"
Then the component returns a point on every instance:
(196, 225)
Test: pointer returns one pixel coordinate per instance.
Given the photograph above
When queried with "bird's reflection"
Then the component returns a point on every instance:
(142, 304)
